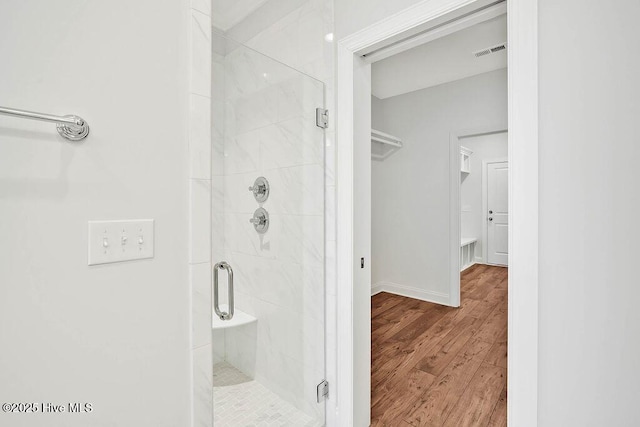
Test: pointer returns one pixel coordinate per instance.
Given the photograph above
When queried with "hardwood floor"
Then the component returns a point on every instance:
(441, 366)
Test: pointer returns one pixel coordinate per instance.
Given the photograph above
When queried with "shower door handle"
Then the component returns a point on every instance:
(223, 315)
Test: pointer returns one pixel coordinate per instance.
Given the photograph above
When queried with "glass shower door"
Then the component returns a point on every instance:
(268, 226)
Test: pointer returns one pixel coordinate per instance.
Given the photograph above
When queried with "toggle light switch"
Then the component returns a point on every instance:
(102, 233)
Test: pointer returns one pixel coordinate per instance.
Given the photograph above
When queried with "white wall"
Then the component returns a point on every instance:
(472, 216)
(589, 288)
(354, 15)
(410, 189)
(115, 335)
(265, 16)
(377, 111)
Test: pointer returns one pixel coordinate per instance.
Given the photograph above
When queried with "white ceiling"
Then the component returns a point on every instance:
(227, 13)
(442, 60)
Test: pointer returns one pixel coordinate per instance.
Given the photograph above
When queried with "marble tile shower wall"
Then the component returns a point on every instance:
(272, 269)
(303, 40)
(269, 130)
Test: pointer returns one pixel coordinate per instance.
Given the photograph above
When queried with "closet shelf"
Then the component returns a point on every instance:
(465, 160)
(383, 145)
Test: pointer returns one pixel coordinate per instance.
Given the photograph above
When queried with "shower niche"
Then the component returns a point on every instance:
(268, 357)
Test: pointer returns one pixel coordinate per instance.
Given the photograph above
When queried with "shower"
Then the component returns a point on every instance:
(267, 242)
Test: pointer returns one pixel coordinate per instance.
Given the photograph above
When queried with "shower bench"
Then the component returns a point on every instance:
(240, 318)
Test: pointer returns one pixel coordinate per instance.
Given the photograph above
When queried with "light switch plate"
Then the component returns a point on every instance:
(116, 241)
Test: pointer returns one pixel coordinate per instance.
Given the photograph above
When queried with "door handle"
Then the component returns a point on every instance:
(490, 219)
(223, 315)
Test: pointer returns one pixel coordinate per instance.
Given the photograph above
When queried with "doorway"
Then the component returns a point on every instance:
(353, 247)
(484, 197)
(438, 310)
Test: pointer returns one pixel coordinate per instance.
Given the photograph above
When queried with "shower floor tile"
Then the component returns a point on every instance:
(239, 401)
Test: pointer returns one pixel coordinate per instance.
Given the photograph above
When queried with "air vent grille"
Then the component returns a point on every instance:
(490, 50)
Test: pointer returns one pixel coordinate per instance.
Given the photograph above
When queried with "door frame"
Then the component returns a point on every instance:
(522, 23)
(485, 207)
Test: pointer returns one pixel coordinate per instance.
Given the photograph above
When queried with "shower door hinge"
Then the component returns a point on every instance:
(322, 118)
(322, 391)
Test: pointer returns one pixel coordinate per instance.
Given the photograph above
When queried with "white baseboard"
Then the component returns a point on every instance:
(411, 292)
(468, 266)
(376, 289)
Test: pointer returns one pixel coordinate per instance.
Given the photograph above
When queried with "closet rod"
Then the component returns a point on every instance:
(71, 127)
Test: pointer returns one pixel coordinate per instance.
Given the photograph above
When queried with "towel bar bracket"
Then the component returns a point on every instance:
(73, 132)
(71, 127)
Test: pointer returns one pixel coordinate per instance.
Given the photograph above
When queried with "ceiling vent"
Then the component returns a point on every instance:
(489, 50)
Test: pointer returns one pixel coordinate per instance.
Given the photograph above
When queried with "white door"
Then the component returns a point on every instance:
(498, 213)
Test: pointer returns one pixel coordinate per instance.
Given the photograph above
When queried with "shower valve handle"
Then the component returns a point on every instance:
(260, 220)
(257, 189)
(260, 189)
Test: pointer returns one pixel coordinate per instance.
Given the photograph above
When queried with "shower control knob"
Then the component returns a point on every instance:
(257, 190)
(260, 220)
(260, 189)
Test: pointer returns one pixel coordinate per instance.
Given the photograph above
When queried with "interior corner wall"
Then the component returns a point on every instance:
(410, 189)
(588, 151)
(116, 335)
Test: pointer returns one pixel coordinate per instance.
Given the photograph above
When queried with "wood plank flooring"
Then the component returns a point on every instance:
(441, 366)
